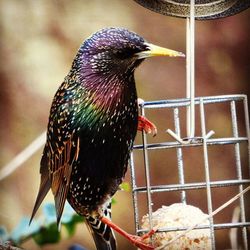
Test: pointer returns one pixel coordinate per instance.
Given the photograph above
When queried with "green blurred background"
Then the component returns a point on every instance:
(38, 41)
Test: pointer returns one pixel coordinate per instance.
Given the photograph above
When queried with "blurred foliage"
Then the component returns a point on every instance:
(43, 230)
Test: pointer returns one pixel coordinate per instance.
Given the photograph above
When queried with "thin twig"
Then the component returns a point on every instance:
(233, 231)
(23, 156)
(204, 218)
(8, 246)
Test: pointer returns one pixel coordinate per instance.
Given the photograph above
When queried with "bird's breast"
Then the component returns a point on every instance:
(103, 157)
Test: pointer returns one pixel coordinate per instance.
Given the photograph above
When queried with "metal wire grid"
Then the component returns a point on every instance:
(203, 141)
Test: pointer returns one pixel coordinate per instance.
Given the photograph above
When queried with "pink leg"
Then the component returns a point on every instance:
(146, 125)
(134, 239)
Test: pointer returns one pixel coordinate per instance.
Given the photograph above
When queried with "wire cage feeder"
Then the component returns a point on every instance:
(197, 109)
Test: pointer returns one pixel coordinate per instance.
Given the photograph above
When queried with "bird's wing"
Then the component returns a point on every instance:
(62, 145)
(60, 152)
(60, 166)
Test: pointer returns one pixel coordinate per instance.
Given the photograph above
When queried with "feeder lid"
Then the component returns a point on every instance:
(204, 9)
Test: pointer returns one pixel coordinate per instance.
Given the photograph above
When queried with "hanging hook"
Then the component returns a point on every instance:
(190, 81)
(190, 78)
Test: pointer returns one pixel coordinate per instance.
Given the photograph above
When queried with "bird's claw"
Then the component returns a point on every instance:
(134, 239)
(149, 234)
(139, 242)
(145, 125)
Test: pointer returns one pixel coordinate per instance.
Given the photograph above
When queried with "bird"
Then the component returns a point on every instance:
(92, 125)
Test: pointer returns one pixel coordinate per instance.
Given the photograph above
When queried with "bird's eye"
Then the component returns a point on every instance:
(125, 53)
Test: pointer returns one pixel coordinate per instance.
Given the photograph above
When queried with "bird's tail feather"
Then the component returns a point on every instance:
(102, 234)
(43, 190)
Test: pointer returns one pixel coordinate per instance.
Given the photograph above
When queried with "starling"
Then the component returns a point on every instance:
(92, 126)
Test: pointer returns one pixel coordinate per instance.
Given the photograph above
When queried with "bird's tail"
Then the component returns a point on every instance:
(102, 234)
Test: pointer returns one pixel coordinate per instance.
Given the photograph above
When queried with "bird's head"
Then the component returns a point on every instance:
(119, 50)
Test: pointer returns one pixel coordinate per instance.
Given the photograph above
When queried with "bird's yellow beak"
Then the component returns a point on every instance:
(154, 50)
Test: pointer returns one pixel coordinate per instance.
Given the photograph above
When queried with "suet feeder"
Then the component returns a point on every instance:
(195, 110)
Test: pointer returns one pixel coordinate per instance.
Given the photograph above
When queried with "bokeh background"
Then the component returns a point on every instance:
(38, 42)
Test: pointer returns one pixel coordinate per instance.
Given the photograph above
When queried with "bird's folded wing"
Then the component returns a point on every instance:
(60, 166)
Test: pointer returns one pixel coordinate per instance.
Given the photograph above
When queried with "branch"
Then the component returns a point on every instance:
(22, 156)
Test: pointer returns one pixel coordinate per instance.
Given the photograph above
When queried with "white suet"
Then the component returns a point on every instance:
(179, 215)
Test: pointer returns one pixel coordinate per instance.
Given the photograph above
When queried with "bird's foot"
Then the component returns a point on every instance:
(145, 125)
(134, 239)
(150, 233)
(139, 242)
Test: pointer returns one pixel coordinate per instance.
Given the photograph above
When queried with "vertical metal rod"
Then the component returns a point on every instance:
(134, 193)
(179, 154)
(207, 174)
(238, 169)
(147, 173)
(190, 70)
(247, 127)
